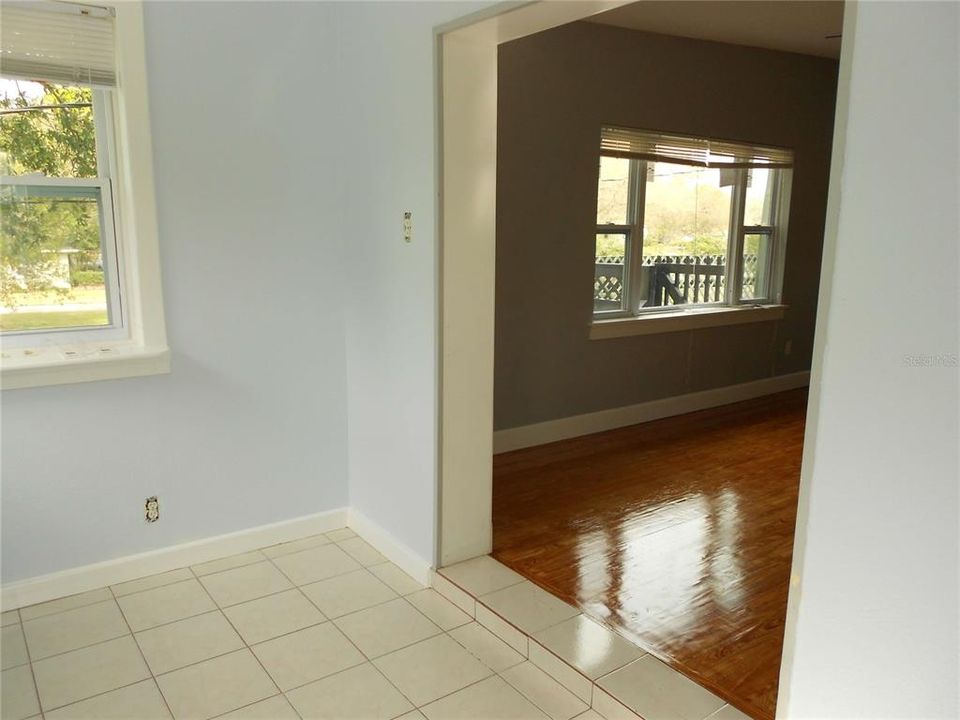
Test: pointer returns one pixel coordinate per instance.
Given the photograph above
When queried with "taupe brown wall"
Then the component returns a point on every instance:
(555, 91)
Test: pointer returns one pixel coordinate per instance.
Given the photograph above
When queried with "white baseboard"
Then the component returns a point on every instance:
(110, 572)
(554, 430)
(391, 548)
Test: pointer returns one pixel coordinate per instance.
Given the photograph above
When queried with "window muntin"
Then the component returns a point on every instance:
(686, 211)
(613, 192)
(58, 245)
(702, 222)
(609, 279)
(77, 44)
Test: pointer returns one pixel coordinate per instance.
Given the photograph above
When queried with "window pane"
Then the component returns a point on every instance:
(685, 230)
(51, 265)
(608, 276)
(760, 197)
(613, 191)
(47, 130)
(756, 262)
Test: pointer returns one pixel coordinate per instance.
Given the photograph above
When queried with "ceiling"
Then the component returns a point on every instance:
(790, 25)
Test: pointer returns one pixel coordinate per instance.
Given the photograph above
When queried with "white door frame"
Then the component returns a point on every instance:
(467, 152)
(467, 148)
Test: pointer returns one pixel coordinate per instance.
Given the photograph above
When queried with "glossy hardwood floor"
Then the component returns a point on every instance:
(677, 533)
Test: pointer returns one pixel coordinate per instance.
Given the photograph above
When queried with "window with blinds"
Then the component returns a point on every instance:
(687, 221)
(59, 42)
(58, 241)
(701, 152)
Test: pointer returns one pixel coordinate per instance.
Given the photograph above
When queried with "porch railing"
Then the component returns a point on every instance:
(668, 280)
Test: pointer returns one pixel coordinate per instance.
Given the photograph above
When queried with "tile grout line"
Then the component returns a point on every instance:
(349, 640)
(120, 687)
(643, 649)
(58, 612)
(193, 571)
(33, 674)
(20, 625)
(594, 684)
(530, 638)
(493, 673)
(113, 597)
(532, 700)
(220, 610)
(106, 692)
(370, 660)
(242, 640)
(132, 634)
(571, 666)
(471, 593)
(496, 637)
(111, 588)
(299, 588)
(251, 704)
(130, 630)
(442, 632)
(140, 650)
(355, 558)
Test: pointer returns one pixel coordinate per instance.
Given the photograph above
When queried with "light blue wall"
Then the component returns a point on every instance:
(288, 140)
(389, 98)
(250, 427)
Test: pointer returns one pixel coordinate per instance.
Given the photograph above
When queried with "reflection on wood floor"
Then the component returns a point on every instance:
(678, 533)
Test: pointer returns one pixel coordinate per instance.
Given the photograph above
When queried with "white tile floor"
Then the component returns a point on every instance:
(323, 627)
(593, 665)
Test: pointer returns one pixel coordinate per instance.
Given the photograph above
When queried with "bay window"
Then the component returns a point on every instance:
(686, 223)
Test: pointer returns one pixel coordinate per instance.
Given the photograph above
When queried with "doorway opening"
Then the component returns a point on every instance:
(696, 319)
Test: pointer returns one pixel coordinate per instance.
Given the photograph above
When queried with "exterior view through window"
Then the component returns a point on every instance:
(57, 240)
(685, 221)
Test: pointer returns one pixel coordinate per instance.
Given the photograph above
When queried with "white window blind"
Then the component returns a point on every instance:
(58, 42)
(661, 147)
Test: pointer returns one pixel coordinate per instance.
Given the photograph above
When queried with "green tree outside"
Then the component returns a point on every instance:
(36, 224)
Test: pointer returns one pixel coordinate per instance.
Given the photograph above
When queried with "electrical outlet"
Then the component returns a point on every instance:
(407, 226)
(151, 509)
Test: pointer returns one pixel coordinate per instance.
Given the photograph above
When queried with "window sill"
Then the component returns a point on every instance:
(35, 367)
(655, 324)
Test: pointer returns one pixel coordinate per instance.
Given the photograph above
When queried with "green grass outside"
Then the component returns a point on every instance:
(77, 294)
(12, 322)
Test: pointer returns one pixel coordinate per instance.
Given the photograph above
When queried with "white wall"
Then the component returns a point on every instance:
(390, 100)
(288, 140)
(250, 426)
(282, 172)
(872, 628)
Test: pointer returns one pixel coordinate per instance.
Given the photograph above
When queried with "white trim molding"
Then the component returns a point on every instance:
(391, 548)
(131, 567)
(686, 319)
(577, 425)
(59, 366)
(81, 355)
(466, 131)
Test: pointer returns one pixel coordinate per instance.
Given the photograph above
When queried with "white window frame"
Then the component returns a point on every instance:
(136, 343)
(732, 300)
(109, 244)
